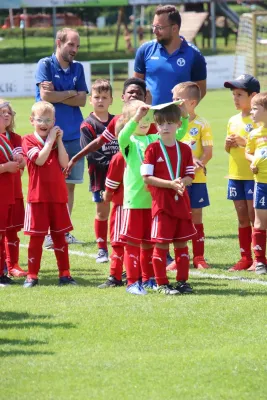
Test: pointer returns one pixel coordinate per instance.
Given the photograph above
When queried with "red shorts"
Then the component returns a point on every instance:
(136, 225)
(115, 223)
(167, 229)
(17, 216)
(40, 217)
(5, 216)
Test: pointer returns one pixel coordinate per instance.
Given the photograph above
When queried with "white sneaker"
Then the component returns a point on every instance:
(102, 256)
(168, 290)
(48, 242)
(70, 239)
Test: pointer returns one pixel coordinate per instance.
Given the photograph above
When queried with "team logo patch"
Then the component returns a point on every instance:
(181, 62)
(193, 131)
(248, 128)
(263, 153)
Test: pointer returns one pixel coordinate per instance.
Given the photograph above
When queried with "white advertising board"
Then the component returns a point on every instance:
(18, 80)
(219, 70)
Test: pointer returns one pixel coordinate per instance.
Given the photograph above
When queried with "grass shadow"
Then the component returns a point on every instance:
(21, 321)
(9, 320)
(230, 236)
(14, 352)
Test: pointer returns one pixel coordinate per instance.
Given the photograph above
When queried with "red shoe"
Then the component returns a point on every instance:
(199, 262)
(16, 271)
(172, 266)
(241, 265)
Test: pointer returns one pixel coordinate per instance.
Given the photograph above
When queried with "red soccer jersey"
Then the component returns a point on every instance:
(46, 182)
(16, 142)
(155, 164)
(7, 179)
(114, 179)
(109, 133)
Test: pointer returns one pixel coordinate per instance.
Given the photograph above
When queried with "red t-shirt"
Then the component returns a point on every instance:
(46, 183)
(109, 133)
(16, 142)
(163, 199)
(114, 178)
(7, 186)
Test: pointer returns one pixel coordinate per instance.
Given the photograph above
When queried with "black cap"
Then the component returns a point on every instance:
(246, 82)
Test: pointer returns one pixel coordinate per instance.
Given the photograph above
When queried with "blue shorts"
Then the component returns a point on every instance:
(260, 196)
(198, 195)
(240, 190)
(72, 148)
(97, 196)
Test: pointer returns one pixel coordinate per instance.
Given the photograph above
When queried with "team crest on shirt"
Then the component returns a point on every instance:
(248, 128)
(193, 131)
(263, 153)
(180, 62)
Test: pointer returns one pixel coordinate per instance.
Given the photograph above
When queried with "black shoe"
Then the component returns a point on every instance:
(111, 282)
(168, 290)
(5, 280)
(184, 288)
(169, 259)
(124, 278)
(30, 282)
(66, 280)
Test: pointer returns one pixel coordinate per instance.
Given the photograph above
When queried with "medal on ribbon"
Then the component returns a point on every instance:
(41, 140)
(168, 162)
(6, 150)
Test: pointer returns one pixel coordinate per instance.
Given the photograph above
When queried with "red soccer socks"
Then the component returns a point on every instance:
(182, 257)
(159, 260)
(259, 245)
(101, 233)
(116, 262)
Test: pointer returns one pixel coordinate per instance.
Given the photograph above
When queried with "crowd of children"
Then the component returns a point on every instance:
(150, 162)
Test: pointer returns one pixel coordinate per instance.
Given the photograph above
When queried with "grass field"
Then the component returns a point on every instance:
(85, 343)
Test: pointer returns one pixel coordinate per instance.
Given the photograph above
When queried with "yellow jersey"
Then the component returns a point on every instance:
(257, 145)
(239, 167)
(198, 135)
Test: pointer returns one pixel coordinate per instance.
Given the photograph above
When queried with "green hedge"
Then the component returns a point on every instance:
(48, 32)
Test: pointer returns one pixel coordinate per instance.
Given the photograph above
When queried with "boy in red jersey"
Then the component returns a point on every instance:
(167, 169)
(47, 193)
(9, 166)
(114, 193)
(12, 240)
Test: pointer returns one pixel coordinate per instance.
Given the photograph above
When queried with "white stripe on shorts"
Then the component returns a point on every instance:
(126, 214)
(154, 229)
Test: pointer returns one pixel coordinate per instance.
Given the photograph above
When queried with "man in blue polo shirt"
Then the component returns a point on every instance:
(170, 59)
(61, 81)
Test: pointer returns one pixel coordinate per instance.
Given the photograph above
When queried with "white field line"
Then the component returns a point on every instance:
(229, 278)
(192, 273)
(72, 252)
